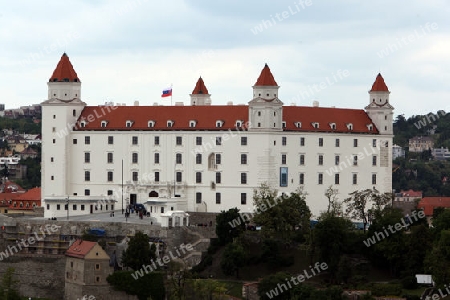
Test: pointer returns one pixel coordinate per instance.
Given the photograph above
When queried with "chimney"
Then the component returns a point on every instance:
(136, 103)
(316, 103)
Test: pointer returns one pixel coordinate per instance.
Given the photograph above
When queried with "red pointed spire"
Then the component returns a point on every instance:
(266, 78)
(64, 71)
(200, 87)
(379, 85)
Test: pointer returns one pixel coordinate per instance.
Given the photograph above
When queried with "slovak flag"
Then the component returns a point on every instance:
(167, 92)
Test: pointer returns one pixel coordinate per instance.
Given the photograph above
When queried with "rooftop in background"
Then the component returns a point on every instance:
(428, 204)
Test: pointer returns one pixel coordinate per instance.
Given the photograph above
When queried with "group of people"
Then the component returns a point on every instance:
(131, 208)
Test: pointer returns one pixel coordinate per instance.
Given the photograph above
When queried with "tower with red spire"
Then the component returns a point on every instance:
(379, 109)
(200, 95)
(265, 110)
(64, 83)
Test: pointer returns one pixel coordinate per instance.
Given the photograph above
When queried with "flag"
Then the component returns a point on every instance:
(167, 92)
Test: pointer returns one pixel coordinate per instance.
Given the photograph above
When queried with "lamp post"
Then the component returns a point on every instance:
(67, 201)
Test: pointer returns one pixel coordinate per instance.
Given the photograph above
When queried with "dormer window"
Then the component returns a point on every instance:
(370, 127)
(129, 123)
(151, 124)
(239, 123)
(219, 123)
(192, 123)
(349, 126)
(298, 124)
(83, 124)
(170, 123)
(283, 124)
(315, 125)
(104, 123)
(333, 126)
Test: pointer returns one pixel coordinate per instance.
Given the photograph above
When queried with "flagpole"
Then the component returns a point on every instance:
(171, 92)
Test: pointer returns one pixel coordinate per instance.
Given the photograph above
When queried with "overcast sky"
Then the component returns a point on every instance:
(327, 50)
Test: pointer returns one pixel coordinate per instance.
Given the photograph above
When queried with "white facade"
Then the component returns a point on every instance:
(397, 151)
(85, 165)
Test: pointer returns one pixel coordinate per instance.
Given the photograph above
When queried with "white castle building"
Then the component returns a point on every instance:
(204, 157)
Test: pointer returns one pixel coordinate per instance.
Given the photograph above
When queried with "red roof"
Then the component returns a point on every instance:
(200, 88)
(80, 248)
(207, 116)
(266, 78)
(64, 71)
(379, 85)
(33, 194)
(411, 193)
(430, 203)
(11, 187)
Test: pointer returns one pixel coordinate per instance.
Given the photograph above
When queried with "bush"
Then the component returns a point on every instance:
(386, 290)
(150, 285)
(409, 282)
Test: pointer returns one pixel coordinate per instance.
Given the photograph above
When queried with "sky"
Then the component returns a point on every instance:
(327, 51)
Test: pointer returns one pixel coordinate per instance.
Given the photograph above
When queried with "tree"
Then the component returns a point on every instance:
(233, 259)
(437, 261)
(358, 204)
(138, 252)
(268, 287)
(229, 225)
(281, 216)
(331, 195)
(208, 289)
(178, 274)
(8, 287)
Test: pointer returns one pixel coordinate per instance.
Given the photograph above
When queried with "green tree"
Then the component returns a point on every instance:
(233, 259)
(268, 287)
(437, 261)
(139, 252)
(8, 287)
(229, 225)
(149, 286)
(208, 289)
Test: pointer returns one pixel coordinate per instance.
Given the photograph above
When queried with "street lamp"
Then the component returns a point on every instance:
(67, 201)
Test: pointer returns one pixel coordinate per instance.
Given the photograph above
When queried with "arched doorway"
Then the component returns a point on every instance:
(153, 194)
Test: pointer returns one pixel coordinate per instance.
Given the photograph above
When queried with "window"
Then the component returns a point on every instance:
(109, 192)
(238, 124)
(336, 178)
(129, 123)
(243, 198)
(218, 198)
(74, 207)
(156, 140)
(110, 176)
(355, 160)
(135, 176)
(337, 143)
(283, 141)
(302, 178)
(178, 158)
(52, 177)
(320, 178)
(103, 123)
(243, 159)
(97, 266)
(48, 206)
(374, 143)
(87, 192)
(298, 124)
(198, 177)
(350, 126)
(74, 113)
(243, 178)
(110, 140)
(97, 278)
(58, 206)
(320, 142)
(302, 159)
(243, 141)
(87, 176)
(283, 159)
(74, 141)
(192, 123)
(355, 178)
(87, 140)
(54, 141)
(82, 206)
(218, 158)
(51, 159)
(283, 124)
(198, 140)
(156, 176)
(320, 160)
(218, 177)
(374, 160)
(259, 114)
(179, 176)
(170, 123)
(355, 142)
(87, 157)
(151, 124)
(219, 124)
(198, 198)
(333, 126)
(66, 206)
(156, 158)
(179, 140)
(109, 158)
(336, 160)
(162, 209)
(134, 140)
(53, 129)
(302, 141)
(134, 158)
(283, 176)
(218, 140)
(198, 159)
(374, 178)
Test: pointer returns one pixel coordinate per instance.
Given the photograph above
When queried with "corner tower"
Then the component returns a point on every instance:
(200, 95)
(265, 110)
(379, 109)
(59, 115)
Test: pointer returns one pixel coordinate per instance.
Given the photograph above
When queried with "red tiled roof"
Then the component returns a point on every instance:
(411, 193)
(206, 117)
(266, 78)
(200, 88)
(28, 150)
(80, 248)
(11, 187)
(379, 85)
(64, 71)
(430, 203)
(9, 196)
(33, 194)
